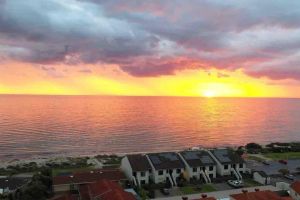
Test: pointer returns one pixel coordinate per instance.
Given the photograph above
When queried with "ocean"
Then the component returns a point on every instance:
(44, 126)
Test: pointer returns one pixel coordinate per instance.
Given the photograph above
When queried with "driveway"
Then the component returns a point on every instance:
(222, 186)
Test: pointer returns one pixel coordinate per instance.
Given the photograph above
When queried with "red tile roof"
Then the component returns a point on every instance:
(84, 192)
(107, 190)
(259, 195)
(90, 177)
(296, 186)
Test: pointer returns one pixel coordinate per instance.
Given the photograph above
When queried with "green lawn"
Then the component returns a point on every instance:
(283, 156)
(193, 189)
(188, 190)
(57, 171)
(258, 159)
(208, 188)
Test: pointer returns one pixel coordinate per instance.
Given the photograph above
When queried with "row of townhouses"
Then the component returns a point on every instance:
(170, 166)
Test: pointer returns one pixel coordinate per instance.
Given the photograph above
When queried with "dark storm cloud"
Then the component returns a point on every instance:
(253, 35)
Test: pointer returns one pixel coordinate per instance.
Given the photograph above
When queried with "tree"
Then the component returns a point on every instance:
(240, 152)
(253, 145)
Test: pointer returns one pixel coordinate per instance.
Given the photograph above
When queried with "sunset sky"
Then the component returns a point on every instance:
(211, 48)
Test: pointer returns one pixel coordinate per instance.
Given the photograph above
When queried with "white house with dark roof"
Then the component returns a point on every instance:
(136, 168)
(199, 165)
(228, 162)
(167, 166)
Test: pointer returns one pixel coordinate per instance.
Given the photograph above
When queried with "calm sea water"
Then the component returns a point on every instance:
(80, 125)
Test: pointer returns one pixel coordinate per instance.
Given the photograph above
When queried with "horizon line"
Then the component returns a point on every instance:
(103, 95)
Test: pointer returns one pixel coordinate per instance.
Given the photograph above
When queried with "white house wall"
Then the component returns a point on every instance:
(126, 168)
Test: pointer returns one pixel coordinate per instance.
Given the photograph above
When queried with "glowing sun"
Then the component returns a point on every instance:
(209, 93)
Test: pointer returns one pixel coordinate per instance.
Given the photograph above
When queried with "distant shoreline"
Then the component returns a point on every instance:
(39, 159)
(100, 95)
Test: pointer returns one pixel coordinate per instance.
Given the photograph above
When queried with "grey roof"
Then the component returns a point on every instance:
(139, 162)
(227, 156)
(197, 158)
(167, 160)
(13, 183)
(262, 173)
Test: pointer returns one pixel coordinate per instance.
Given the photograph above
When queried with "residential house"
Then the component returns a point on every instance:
(199, 165)
(228, 162)
(166, 167)
(66, 183)
(10, 184)
(258, 195)
(104, 190)
(136, 168)
(100, 190)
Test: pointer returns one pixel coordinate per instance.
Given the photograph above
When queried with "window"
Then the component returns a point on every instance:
(211, 168)
(194, 169)
(241, 165)
(225, 166)
(178, 171)
(133, 173)
(202, 168)
(143, 182)
(143, 174)
(160, 172)
(150, 170)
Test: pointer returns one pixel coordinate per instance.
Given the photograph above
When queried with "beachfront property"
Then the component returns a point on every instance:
(65, 183)
(295, 190)
(136, 168)
(199, 165)
(104, 190)
(10, 184)
(228, 162)
(166, 167)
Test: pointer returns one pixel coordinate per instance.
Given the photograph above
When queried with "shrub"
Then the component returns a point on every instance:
(284, 171)
(253, 146)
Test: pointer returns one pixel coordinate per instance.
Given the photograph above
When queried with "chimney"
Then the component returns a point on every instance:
(185, 198)
(256, 190)
(203, 195)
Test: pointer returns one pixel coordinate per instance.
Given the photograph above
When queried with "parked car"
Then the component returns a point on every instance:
(165, 191)
(265, 162)
(289, 176)
(235, 183)
(283, 162)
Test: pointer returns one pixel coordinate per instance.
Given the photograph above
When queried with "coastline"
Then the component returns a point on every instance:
(42, 161)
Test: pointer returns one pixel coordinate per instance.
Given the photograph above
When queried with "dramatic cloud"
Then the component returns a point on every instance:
(153, 38)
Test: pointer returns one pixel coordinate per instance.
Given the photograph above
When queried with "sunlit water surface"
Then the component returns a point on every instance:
(81, 125)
